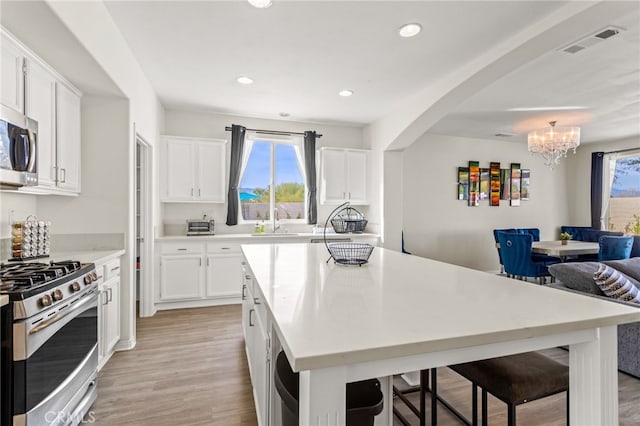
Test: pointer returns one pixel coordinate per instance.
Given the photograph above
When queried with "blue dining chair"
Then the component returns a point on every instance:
(535, 233)
(635, 250)
(495, 237)
(614, 247)
(517, 256)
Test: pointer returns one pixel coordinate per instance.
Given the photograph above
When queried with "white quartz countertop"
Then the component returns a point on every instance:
(265, 236)
(328, 314)
(84, 256)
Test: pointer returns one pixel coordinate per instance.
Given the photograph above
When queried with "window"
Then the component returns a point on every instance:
(271, 164)
(622, 179)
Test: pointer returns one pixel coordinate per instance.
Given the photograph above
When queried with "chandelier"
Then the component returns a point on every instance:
(554, 142)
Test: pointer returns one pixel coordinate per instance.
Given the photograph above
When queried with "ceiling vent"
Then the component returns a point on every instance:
(504, 135)
(591, 40)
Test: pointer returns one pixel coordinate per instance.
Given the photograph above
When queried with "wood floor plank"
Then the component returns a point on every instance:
(189, 367)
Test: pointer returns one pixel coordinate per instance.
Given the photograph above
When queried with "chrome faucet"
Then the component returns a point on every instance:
(275, 226)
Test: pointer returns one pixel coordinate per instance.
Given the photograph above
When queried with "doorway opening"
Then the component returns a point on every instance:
(143, 228)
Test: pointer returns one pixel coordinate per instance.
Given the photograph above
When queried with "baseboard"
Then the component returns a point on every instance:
(125, 345)
(161, 306)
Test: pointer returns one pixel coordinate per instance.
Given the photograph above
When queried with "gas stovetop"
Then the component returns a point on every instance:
(24, 280)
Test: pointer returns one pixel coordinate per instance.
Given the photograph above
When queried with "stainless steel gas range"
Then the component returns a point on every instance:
(49, 351)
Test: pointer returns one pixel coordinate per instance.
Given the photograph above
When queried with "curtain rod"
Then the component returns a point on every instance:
(622, 150)
(273, 132)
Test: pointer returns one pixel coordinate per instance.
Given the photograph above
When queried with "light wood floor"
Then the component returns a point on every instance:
(189, 368)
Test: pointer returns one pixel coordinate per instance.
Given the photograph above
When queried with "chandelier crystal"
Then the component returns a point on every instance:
(554, 142)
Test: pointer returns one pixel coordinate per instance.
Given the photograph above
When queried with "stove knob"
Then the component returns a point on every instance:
(94, 276)
(45, 300)
(87, 279)
(75, 286)
(57, 295)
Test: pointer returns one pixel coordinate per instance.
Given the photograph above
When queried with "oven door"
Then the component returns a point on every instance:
(55, 362)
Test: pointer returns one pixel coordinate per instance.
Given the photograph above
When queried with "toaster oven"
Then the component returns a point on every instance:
(200, 226)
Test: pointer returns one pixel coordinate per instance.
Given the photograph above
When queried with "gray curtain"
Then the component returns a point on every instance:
(237, 145)
(597, 169)
(310, 173)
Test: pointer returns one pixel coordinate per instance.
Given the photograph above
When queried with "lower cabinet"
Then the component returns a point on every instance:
(181, 277)
(257, 337)
(198, 274)
(108, 309)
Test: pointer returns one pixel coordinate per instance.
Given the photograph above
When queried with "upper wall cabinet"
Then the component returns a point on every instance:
(193, 170)
(46, 97)
(344, 175)
(12, 72)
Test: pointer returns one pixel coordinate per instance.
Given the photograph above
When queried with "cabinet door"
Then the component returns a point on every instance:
(68, 138)
(260, 378)
(211, 172)
(180, 171)
(111, 321)
(41, 106)
(333, 177)
(224, 275)
(181, 277)
(12, 76)
(357, 163)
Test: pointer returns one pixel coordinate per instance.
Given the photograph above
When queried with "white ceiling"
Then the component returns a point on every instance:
(301, 53)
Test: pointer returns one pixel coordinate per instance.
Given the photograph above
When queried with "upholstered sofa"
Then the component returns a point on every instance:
(578, 277)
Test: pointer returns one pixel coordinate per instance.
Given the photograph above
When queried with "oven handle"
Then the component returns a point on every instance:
(58, 317)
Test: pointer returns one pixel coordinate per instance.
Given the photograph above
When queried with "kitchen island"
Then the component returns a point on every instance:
(398, 313)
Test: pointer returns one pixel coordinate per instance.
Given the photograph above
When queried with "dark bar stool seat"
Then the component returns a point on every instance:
(515, 379)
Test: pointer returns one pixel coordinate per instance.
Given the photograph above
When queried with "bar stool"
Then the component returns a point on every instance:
(513, 379)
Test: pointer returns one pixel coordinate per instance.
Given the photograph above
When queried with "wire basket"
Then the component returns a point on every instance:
(349, 220)
(350, 253)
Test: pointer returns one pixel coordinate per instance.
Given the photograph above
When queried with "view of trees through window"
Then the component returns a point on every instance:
(624, 204)
(256, 200)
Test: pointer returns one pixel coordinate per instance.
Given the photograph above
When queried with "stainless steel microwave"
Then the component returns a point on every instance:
(18, 150)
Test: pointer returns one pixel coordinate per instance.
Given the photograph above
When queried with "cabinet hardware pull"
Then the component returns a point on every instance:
(349, 195)
(106, 298)
(64, 175)
(247, 277)
(198, 192)
(200, 261)
(115, 269)
(225, 248)
(182, 249)
(110, 290)
(243, 263)
(207, 261)
(250, 315)
(192, 192)
(244, 294)
(256, 300)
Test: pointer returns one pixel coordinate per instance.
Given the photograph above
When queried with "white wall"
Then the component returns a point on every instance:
(579, 178)
(438, 226)
(14, 207)
(210, 125)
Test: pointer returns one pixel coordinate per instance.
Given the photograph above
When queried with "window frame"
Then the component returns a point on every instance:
(274, 140)
(608, 172)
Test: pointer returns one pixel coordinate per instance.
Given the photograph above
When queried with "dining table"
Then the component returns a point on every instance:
(563, 251)
(339, 324)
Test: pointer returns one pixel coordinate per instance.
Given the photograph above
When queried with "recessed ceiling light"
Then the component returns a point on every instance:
(345, 93)
(410, 30)
(260, 4)
(244, 80)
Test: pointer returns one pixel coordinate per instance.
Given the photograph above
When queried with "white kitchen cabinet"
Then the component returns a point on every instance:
(32, 87)
(194, 170)
(41, 106)
(223, 275)
(181, 277)
(68, 138)
(109, 309)
(12, 74)
(258, 347)
(344, 175)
